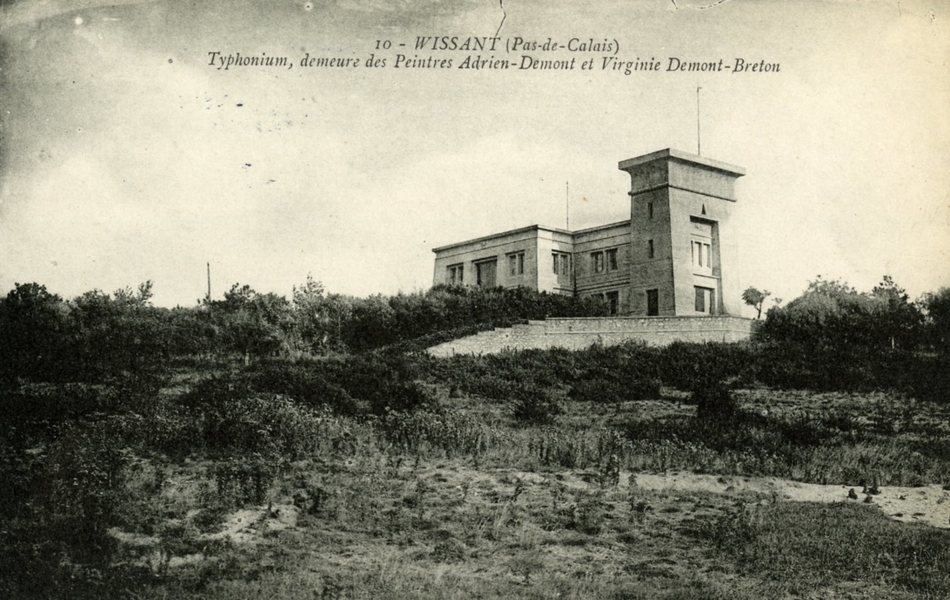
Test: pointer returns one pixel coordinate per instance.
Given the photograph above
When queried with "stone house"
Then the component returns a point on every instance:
(675, 256)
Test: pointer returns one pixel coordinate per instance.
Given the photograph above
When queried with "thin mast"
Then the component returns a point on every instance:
(698, 138)
(567, 205)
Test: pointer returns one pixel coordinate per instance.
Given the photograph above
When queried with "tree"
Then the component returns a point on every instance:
(900, 320)
(832, 314)
(755, 298)
(34, 332)
(936, 307)
(252, 323)
(311, 316)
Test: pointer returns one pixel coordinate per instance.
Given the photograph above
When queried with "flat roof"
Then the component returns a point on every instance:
(684, 157)
(527, 229)
(493, 236)
(607, 226)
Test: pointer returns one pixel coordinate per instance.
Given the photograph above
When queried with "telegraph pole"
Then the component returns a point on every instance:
(698, 138)
(209, 283)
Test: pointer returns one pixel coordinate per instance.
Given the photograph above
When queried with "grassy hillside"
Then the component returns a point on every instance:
(257, 448)
(609, 473)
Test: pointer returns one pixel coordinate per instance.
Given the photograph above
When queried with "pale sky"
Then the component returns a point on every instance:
(125, 157)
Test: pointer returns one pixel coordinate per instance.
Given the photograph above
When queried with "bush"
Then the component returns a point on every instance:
(313, 383)
(83, 488)
(263, 424)
(534, 405)
(714, 402)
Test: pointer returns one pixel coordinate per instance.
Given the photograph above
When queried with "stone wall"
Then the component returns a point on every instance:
(579, 333)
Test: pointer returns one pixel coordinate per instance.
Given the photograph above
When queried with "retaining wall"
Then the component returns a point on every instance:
(580, 333)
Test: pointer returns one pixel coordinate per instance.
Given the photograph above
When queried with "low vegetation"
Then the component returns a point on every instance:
(619, 472)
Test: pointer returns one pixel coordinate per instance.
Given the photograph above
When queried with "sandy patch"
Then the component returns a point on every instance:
(247, 525)
(927, 504)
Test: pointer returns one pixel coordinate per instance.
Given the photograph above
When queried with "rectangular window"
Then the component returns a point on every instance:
(653, 303)
(701, 239)
(612, 260)
(597, 262)
(650, 252)
(613, 302)
(455, 275)
(561, 263)
(702, 255)
(516, 264)
(650, 210)
(705, 300)
(485, 273)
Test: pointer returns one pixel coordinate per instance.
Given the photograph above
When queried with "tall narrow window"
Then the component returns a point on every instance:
(597, 262)
(613, 302)
(612, 259)
(650, 210)
(561, 262)
(701, 240)
(650, 252)
(702, 254)
(516, 264)
(653, 303)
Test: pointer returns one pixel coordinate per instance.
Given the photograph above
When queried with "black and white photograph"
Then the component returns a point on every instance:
(450, 299)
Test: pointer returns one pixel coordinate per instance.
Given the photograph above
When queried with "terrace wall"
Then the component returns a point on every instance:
(582, 332)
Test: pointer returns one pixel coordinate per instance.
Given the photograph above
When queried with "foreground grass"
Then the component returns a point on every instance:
(459, 499)
(444, 529)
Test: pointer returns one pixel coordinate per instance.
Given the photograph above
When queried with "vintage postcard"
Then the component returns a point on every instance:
(474, 298)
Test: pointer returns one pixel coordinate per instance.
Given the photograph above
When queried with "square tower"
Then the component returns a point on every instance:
(683, 250)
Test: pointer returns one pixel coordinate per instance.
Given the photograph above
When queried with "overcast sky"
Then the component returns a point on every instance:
(125, 156)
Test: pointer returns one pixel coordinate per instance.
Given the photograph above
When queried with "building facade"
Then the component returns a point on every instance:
(676, 255)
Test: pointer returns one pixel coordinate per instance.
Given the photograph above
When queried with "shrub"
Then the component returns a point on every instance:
(608, 390)
(314, 383)
(83, 484)
(263, 424)
(534, 405)
(714, 401)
